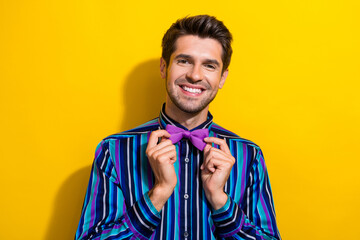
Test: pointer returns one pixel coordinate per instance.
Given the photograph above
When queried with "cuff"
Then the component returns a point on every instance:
(142, 218)
(229, 219)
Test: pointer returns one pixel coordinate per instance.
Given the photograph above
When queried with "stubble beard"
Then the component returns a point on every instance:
(187, 105)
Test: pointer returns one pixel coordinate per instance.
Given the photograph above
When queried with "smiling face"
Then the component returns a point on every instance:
(194, 74)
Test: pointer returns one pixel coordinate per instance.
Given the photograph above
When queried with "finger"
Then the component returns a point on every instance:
(214, 153)
(207, 149)
(207, 170)
(218, 153)
(163, 139)
(161, 145)
(168, 156)
(210, 166)
(221, 142)
(214, 164)
(220, 156)
(164, 149)
(206, 154)
(155, 135)
(204, 167)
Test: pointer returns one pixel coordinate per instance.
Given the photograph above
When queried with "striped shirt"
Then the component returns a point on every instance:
(117, 205)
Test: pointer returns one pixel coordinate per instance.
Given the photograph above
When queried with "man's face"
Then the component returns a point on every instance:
(194, 75)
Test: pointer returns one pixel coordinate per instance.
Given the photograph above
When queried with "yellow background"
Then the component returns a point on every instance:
(73, 72)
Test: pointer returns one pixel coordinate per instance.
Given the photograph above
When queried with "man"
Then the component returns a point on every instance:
(181, 176)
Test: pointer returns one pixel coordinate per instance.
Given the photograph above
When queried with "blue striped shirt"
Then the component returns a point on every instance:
(117, 205)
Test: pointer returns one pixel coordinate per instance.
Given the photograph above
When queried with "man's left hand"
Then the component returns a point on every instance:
(215, 171)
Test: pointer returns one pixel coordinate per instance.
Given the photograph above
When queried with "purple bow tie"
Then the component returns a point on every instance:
(196, 137)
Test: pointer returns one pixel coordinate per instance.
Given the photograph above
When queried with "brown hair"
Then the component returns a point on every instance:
(203, 26)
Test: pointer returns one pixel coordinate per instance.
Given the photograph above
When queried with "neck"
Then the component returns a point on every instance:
(188, 120)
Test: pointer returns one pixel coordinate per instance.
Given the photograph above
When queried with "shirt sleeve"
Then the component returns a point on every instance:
(105, 214)
(254, 218)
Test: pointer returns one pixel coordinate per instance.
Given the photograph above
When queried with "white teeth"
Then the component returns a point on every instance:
(192, 90)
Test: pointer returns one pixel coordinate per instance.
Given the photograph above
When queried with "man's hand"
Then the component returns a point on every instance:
(215, 171)
(161, 156)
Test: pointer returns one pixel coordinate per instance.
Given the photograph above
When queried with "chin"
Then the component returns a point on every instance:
(190, 105)
(191, 108)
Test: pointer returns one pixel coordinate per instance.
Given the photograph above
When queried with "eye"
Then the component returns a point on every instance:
(210, 66)
(182, 61)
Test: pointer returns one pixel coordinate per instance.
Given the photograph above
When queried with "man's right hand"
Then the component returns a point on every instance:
(161, 156)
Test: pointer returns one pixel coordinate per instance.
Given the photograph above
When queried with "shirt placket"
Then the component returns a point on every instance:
(185, 162)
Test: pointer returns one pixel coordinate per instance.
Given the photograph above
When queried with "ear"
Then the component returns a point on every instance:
(162, 68)
(223, 78)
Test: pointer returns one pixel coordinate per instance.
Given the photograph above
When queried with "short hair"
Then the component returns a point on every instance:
(203, 26)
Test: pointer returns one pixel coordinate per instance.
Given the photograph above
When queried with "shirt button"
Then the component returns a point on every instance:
(187, 160)
(186, 234)
(186, 196)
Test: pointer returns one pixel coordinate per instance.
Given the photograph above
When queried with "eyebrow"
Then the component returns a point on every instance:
(182, 56)
(186, 56)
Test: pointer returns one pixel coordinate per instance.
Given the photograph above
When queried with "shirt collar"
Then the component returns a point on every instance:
(165, 120)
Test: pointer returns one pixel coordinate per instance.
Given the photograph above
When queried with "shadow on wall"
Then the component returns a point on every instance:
(68, 205)
(143, 94)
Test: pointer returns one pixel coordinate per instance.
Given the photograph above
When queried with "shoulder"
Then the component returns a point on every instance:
(250, 151)
(138, 131)
(126, 140)
(230, 136)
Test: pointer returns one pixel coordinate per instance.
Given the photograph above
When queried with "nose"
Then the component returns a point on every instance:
(195, 74)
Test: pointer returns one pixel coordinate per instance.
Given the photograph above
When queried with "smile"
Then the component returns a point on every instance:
(192, 90)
